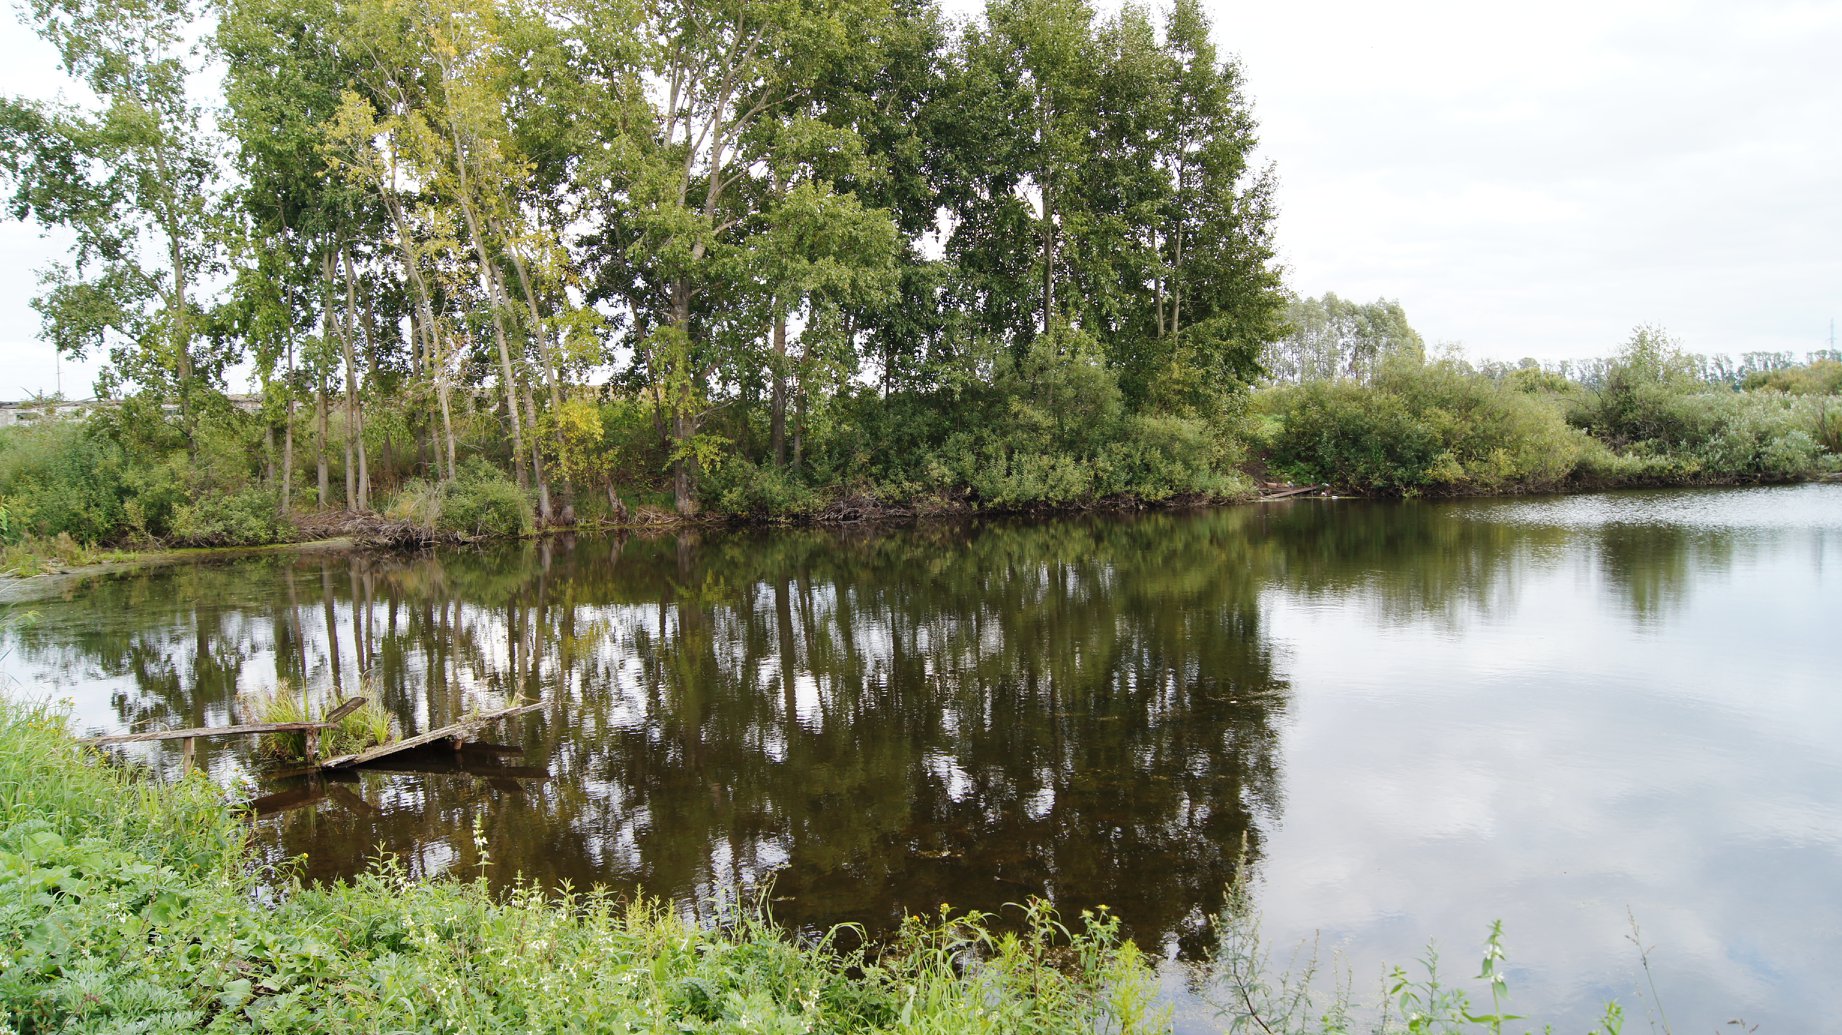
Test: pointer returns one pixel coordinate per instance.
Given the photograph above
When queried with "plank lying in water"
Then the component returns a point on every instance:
(345, 708)
(449, 732)
(1289, 493)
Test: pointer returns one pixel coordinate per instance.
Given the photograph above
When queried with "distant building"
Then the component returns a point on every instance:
(33, 411)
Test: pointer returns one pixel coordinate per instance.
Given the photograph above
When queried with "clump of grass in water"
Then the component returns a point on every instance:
(367, 727)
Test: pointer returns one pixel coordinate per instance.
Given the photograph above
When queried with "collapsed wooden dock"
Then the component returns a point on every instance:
(1286, 493)
(190, 736)
(456, 733)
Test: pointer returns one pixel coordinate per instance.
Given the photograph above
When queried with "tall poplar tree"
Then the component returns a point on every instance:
(134, 177)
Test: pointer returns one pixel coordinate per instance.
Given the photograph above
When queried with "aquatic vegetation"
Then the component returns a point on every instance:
(36, 555)
(369, 726)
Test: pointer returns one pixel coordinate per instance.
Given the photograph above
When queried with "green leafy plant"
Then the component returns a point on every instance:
(369, 726)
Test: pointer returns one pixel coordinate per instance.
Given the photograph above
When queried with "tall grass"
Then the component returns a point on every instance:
(367, 727)
(128, 906)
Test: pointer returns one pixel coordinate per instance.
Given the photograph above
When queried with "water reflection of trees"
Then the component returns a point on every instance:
(1649, 567)
(881, 721)
(1412, 561)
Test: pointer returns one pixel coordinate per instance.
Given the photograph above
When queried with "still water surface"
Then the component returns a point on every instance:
(1417, 718)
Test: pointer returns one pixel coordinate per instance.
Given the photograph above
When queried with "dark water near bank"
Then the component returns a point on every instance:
(1416, 717)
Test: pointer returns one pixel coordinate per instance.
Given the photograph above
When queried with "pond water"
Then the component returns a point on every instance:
(1412, 718)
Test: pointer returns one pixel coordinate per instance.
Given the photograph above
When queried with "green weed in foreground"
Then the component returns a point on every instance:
(128, 906)
(1250, 995)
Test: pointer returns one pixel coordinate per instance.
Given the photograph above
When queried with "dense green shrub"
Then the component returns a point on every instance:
(62, 477)
(1724, 436)
(1042, 425)
(481, 502)
(1419, 426)
(1828, 425)
(1821, 377)
(246, 518)
(1051, 429)
(484, 502)
(1634, 399)
(743, 489)
(127, 474)
(1660, 423)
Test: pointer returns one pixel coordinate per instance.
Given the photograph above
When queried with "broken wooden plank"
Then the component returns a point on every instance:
(345, 708)
(1289, 493)
(444, 733)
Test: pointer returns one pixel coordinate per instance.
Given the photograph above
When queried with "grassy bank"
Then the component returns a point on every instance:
(1059, 439)
(127, 905)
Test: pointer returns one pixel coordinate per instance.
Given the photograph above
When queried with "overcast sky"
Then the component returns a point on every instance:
(1526, 180)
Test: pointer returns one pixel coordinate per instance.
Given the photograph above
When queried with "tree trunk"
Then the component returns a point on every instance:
(447, 423)
(357, 470)
(509, 379)
(1176, 288)
(683, 489)
(287, 457)
(370, 352)
(287, 434)
(495, 296)
(319, 402)
(182, 343)
(779, 433)
(489, 281)
(1048, 264)
(799, 433)
(548, 362)
(546, 514)
(684, 425)
(424, 318)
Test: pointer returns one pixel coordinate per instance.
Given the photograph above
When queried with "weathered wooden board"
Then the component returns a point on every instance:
(1289, 493)
(345, 708)
(448, 732)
